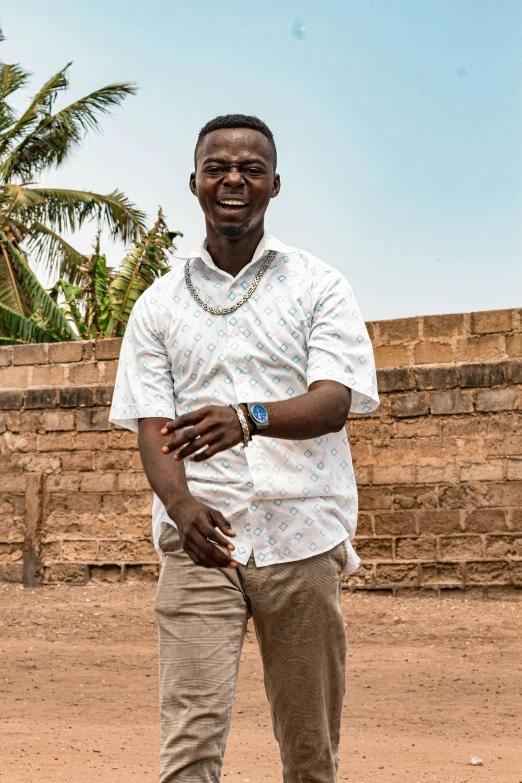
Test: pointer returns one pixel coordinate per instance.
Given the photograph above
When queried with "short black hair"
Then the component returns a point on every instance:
(236, 121)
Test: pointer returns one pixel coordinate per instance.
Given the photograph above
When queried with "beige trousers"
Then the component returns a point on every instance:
(202, 617)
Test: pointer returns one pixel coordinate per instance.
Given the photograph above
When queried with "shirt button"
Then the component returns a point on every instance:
(236, 332)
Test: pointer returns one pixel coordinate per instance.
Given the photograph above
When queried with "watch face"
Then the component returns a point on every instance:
(259, 414)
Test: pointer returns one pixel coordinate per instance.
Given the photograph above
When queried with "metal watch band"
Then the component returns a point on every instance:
(244, 424)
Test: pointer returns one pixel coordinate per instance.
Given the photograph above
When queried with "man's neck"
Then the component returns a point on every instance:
(233, 254)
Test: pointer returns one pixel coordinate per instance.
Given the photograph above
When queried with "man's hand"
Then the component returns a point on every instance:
(213, 428)
(198, 525)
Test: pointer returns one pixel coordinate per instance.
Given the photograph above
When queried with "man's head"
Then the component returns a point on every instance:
(235, 173)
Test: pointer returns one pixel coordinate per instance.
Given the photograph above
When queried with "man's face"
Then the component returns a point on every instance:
(235, 179)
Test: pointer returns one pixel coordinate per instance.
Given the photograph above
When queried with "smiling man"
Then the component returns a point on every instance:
(238, 370)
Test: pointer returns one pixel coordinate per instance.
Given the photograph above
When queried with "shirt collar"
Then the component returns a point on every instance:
(268, 242)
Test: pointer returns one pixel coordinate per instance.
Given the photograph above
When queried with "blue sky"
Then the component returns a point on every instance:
(398, 125)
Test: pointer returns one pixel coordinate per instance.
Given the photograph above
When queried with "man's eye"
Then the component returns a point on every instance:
(254, 172)
(213, 170)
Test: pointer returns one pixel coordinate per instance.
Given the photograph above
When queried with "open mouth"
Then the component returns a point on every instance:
(232, 205)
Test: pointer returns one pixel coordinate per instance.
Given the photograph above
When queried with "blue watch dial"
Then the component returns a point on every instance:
(259, 414)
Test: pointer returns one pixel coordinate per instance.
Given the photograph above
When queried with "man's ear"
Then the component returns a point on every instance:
(192, 183)
(276, 186)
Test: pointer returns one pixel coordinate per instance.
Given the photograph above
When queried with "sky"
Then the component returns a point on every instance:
(398, 125)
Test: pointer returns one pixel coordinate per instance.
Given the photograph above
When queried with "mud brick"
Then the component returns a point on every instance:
(492, 470)
(418, 428)
(79, 550)
(397, 379)
(79, 397)
(506, 446)
(49, 375)
(504, 546)
(56, 441)
(374, 548)
(11, 552)
(450, 402)
(41, 398)
(436, 377)
(10, 463)
(132, 482)
(85, 374)
(13, 483)
(123, 439)
(516, 575)
(504, 495)
(363, 577)
(6, 355)
(98, 482)
(54, 421)
(108, 348)
(11, 572)
(113, 460)
(416, 548)
(116, 551)
(492, 572)
(145, 550)
(84, 503)
(405, 497)
(409, 405)
(433, 353)
(436, 326)
(363, 475)
(466, 426)
(364, 524)
(110, 370)
(39, 463)
(51, 552)
(396, 523)
(497, 399)
(136, 463)
(393, 474)
(92, 441)
(514, 344)
(485, 520)
(397, 574)
(479, 349)
(30, 354)
(441, 574)
(513, 372)
(375, 498)
(389, 356)
(141, 573)
(88, 350)
(104, 395)
(435, 521)
(77, 461)
(111, 574)
(93, 419)
(398, 330)
(66, 572)
(62, 483)
(14, 377)
(361, 452)
(11, 400)
(514, 470)
(476, 375)
(63, 353)
(436, 474)
(460, 547)
(492, 321)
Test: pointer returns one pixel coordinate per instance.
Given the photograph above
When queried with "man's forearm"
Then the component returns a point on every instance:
(323, 409)
(166, 476)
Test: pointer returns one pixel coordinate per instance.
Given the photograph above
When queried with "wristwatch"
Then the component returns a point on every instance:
(258, 414)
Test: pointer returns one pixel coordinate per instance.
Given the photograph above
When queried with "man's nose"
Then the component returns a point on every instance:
(234, 178)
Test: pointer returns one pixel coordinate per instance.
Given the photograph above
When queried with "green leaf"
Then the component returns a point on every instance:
(50, 252)
(17, 328)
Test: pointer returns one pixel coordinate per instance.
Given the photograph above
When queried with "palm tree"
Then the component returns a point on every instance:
(33, 218)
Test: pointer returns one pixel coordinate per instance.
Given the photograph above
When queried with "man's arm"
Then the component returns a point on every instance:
(196, 522)
(323, 409)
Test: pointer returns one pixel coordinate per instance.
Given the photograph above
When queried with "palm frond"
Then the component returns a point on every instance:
(147, 261)
(50, 252)
(57, 135)
(42, 304)
(18, 328)
(11, 289)
(12, 78)
(40, 106)
(68, 210)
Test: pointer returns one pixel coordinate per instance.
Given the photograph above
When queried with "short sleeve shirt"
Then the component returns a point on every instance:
(286, 499)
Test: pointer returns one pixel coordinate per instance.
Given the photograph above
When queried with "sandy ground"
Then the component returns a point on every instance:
(430, 682)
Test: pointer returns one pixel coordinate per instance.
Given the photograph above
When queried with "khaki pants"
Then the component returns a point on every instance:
(202, 617)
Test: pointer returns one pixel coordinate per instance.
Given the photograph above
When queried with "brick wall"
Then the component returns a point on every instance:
(439, 466)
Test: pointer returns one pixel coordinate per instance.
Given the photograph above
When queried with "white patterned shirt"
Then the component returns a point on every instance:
(286, 499)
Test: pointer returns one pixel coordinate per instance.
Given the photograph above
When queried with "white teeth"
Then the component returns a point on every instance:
(232, 203)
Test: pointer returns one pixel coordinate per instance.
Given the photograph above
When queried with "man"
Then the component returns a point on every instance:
(238, 370)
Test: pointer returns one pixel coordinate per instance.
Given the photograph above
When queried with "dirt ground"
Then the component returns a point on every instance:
(430, 683)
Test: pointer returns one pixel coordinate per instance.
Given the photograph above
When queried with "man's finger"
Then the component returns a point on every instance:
(194, 446)
(213, 534)
(215, 449)
(188, 435)
(183, 421)
(208, 555)
(218, 520)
